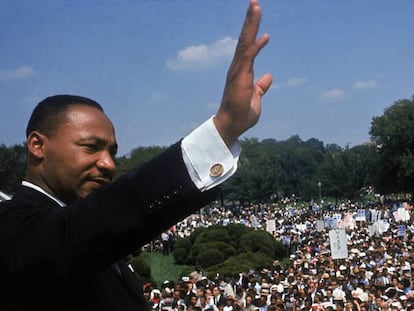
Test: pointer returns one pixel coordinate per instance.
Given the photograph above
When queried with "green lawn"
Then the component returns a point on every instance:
(163, 267)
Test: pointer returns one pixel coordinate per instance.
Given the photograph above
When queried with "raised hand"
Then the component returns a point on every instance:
(241, 103)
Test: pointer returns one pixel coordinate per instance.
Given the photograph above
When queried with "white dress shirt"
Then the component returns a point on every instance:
(204, 148)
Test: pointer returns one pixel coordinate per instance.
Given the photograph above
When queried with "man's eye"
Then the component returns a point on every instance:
(90, 147)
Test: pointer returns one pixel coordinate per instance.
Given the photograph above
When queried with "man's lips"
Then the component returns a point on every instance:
(100, 181)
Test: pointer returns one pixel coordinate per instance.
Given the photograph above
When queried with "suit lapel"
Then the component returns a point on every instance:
(128, 278)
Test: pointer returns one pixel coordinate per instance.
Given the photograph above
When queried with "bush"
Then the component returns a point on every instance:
(209, 257)
(213, 233)
(225, 250)
(182, 251)
(197, 232)
(242, 262)
(236, 231)
(258, 241)
(228, 249)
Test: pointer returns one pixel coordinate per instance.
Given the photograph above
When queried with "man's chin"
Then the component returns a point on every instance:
(88, 188)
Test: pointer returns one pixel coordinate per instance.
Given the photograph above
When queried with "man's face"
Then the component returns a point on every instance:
(216, 291)
(80, 156)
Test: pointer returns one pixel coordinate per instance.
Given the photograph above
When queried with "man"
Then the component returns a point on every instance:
(65, 231)
(165, 245)
(218, 299)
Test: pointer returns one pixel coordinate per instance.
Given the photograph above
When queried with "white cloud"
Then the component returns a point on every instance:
(20, 73)
(296, 81)
(203, 56)
(365, 84)
(333, 94)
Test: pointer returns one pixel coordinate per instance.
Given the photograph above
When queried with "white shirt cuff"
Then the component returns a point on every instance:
(209, 161)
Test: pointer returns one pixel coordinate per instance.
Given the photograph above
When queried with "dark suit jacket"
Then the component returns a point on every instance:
(220, 301)
(54, 258)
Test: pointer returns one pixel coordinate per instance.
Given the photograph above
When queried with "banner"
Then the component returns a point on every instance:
(320, 225)
(401, 230)
(361, 215)
(270, 225)
(339, 249)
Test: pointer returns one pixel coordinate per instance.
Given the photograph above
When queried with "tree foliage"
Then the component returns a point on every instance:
(136, 158)
(12, 166)
(393, 133)
(271, 169)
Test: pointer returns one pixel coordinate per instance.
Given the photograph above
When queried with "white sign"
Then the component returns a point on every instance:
(270, 225)
(320, 225)
(361, 216)
(337, 238)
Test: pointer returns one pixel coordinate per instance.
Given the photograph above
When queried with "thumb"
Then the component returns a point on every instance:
(263, 84)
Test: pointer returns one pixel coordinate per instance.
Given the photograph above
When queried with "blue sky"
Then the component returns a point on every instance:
(158, 66)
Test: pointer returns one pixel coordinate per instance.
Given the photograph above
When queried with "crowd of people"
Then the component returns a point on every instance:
(376, 273)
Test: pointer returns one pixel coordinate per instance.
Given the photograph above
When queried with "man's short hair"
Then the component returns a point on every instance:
(50, 113)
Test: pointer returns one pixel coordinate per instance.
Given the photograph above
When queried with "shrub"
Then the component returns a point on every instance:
(258, 241)
(209, 257)
(236, 231)
(182, 251)
(240, 263)
(228, 249)
(225, 250)
(213, 233)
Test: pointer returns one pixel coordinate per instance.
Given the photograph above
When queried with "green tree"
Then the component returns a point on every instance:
(12, 166)
(393, 133)
(136, 158)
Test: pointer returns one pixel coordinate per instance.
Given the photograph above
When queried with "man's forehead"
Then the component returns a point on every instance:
(80, 114)
(88, 122)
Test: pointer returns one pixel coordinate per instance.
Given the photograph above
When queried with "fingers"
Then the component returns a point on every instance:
(249, 29)
(263, 84)
(261, 42)
(251, 22)
(248, 47)
(240, 108)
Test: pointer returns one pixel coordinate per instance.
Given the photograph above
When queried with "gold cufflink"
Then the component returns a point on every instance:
(216, 170)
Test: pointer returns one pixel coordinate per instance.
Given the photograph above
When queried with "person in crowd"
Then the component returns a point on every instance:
(165, 240)
(218, 299)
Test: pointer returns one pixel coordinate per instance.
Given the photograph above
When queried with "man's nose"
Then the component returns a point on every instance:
(106, 162)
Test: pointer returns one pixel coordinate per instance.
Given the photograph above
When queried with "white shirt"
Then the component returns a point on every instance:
(200, 157)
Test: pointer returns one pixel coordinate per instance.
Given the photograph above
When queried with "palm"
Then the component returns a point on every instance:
(241, 104)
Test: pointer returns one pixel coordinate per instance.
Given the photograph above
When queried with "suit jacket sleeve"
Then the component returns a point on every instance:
(138, 206)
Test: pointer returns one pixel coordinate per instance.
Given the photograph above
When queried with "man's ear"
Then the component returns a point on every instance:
(36, 144)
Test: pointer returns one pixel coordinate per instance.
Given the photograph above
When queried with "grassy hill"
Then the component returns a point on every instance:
(163, 267)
